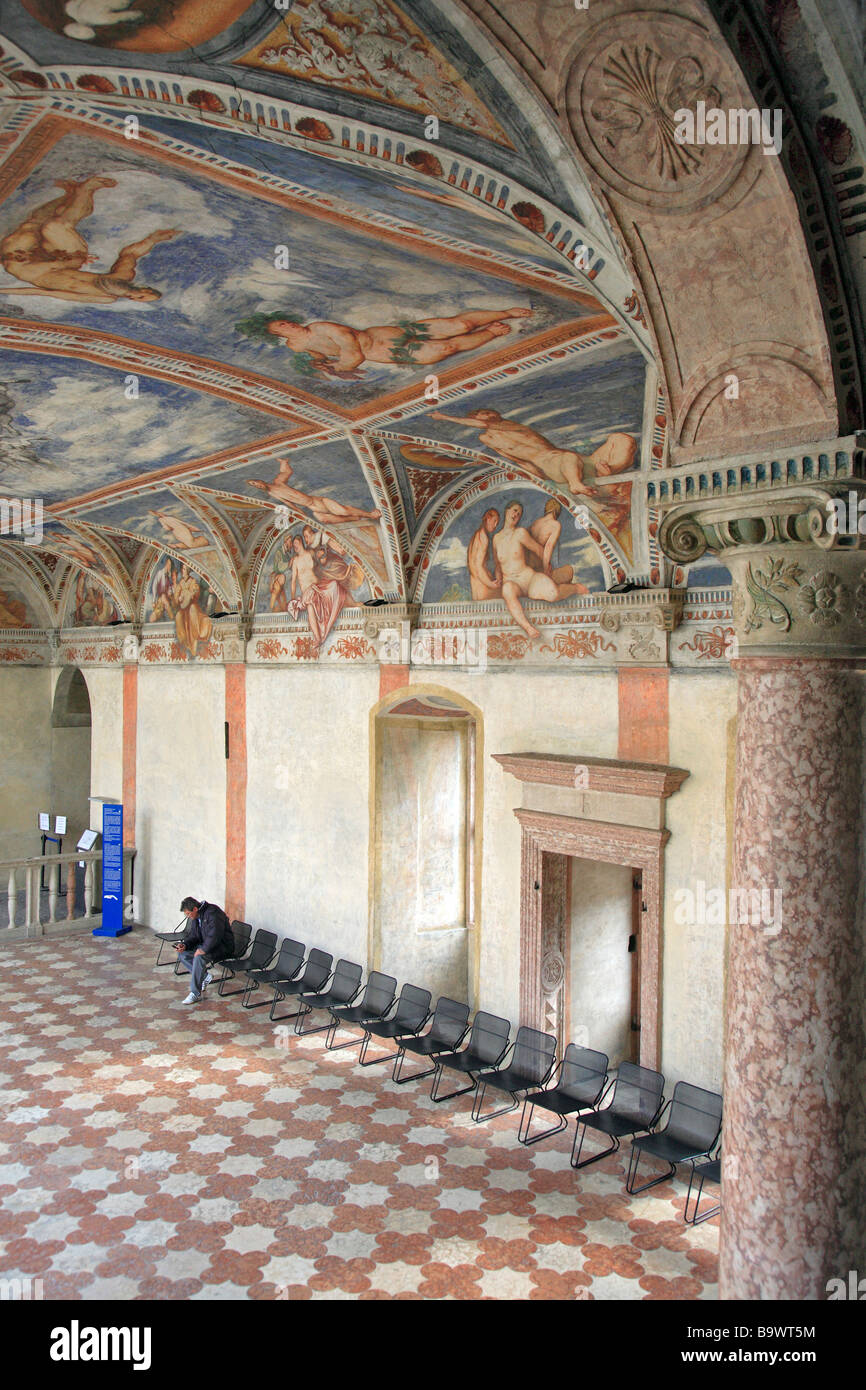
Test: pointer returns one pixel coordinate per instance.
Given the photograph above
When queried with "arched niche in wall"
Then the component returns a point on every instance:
(71, 751)
(425, 839)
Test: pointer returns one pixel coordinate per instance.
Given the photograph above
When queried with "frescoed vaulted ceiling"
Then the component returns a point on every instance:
(269, 266)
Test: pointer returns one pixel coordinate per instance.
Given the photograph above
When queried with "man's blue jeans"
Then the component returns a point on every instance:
(197, 967)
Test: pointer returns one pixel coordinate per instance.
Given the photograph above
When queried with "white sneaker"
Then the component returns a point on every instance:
(192, 999)
(208, 980)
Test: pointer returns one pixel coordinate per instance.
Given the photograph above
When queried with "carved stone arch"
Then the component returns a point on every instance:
(773, 366)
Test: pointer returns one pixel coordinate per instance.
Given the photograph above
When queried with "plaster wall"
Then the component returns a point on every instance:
(25, 758)
(702, 739)
(308, 804)
(180, 793)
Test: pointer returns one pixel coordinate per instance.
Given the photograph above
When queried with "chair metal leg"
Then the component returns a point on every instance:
(252, 985)
(224, 979)
(274, 1002)
(526, 1124)
(578, 1144)
(399, 1064)
(633, 1162)
(383, 1056)
(160, 963)
(479, 1101)
(303, 1032)
(695, 1219)
(461, 1090)
(332, 1033)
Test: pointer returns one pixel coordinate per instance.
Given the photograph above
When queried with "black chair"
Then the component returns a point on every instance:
(409, 1017)
(170, 938)
(711, 1171)
(286, 966)
(343, 988)
(533, 1056)
(260, 954)
(487, 1045)
(635, 1104)
(694, 1123)
(316, 971)
(447, 1031)
(377, 999)
(241, 933)
(579, 1081)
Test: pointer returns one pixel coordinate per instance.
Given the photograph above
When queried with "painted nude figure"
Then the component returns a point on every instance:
(48, 252)
(338, 351)
(484, 583)
(513, 549)
(184, 535)
(547, 531)
(326, 511)
(541, 457)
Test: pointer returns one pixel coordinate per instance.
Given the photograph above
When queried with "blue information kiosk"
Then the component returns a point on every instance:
(112, 873)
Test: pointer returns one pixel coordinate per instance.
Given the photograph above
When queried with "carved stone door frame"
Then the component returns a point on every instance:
(636, 848)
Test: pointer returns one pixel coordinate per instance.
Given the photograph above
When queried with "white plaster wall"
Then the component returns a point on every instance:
(308, 804)
(693, 969)
(574, 713)
(180, 790)
(105, 688)
(25, 758)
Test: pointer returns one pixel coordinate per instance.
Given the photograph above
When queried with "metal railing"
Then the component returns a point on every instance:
(28, 907)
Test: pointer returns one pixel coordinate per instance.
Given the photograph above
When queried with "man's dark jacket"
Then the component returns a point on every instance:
(212, 931)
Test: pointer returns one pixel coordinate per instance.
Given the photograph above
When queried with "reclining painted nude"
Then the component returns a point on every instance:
(542, 458)
(47, 251)
(336, 350)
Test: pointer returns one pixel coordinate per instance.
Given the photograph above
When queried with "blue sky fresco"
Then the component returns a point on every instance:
(66, 426)
(398, 191)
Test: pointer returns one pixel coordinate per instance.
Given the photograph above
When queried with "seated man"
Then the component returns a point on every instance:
(207, 939)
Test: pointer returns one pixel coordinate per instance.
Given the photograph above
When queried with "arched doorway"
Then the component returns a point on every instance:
(425, 854)
(70, 753)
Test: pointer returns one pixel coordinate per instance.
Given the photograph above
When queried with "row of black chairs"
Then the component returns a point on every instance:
(684, 1129)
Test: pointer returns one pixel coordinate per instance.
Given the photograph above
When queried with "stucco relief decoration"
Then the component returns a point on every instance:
(622, 96)
(764, 588)
(643, 648)
(860, 601)
(823, 599)
(552, 973)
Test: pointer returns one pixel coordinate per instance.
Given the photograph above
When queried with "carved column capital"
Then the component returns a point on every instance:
(793, 545)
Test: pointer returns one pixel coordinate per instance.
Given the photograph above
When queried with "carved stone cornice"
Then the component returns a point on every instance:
(594, 774)
(658, 608)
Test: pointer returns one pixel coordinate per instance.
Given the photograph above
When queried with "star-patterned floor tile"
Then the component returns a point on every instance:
(248, 1163)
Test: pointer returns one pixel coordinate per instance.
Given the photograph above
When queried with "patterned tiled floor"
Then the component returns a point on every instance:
(153, 1151)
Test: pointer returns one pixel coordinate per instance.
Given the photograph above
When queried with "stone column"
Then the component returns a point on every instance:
(794, 1135)
(792, 1181)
